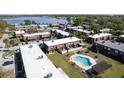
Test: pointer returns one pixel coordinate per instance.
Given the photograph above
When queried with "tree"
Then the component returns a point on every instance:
(31, 30)
(27, 22)
(78, 21)
(33, 22)
(3, 24)
(1, 33)
(6, 41)
(95, 28)
(89, 19)
(12, 42)
(78, 34)
(69, 19)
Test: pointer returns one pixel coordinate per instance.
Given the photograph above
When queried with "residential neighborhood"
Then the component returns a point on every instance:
(62, 46)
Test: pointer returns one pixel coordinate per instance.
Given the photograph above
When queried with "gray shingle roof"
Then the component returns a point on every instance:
(112, 44)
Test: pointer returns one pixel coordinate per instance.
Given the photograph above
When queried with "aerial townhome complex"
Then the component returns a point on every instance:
(55, 47)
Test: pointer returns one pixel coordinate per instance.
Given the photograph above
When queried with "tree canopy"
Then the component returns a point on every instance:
(29, 22)
(3, 24)
(95, 28)
(78, 21)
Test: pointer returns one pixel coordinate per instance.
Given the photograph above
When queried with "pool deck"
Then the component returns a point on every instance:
(79, 64)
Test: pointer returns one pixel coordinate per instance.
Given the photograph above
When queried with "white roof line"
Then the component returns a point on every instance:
(61, 41)
(35, 34)
(99, 35)
(37, 64)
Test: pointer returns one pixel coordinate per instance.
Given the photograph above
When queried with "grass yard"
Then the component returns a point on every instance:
(117, 69)
(69, 69)
(7, 74)
(8, 54)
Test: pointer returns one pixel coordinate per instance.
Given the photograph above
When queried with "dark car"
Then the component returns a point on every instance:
(7, 63)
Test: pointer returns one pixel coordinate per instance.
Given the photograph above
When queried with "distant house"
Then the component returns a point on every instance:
(86, 27)
(19, 33)
(63, 45)
(12, 27)
(26, 27)
(61, 33)
(42, 28)
(100, 36)
(121, 38)
(85, 32)
(36, 36)
(111, 48)
(105, 30)
(71, 28)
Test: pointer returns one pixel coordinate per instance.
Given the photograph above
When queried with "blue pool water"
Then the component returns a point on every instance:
(83, 60)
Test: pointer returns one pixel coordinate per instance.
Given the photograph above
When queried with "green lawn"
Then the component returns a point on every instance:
(9, 53)
(70, 70)
(117, 69)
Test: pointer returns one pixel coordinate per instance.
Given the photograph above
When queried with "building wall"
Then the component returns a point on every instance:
(110, 52)
(121, 39)
(92, 40)
(62, 47)
(37, 37)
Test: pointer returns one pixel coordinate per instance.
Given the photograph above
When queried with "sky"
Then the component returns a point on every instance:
(61, 7)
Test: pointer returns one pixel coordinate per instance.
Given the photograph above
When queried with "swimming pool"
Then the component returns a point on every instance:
(83, 60)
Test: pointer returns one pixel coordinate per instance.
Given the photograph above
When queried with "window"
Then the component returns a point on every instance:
(109, 49)
(116, 51)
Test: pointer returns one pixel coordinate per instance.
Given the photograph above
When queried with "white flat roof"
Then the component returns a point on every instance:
(81, 30)
(75, 27)
(121, 36)
(36, 34)
(25, 25)
(43, 25)
(62, 32)
(19, 32)
(99, 35)
(105, 29)
(61, 41)
(38, 68)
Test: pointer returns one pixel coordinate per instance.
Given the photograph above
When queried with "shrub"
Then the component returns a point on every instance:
(72, 63)
(95, 56)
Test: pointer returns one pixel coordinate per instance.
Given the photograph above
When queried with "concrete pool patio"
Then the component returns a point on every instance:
(93, 62)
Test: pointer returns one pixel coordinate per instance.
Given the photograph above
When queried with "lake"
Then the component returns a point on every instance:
(40, 20)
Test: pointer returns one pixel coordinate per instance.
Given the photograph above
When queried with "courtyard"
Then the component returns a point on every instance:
(59, 60)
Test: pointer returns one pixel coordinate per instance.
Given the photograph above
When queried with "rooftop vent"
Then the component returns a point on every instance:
(112, 41)
(48, 75)
(40, 57)
(30, 46)
(119, 43)
(52, 40)
(103, 42)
